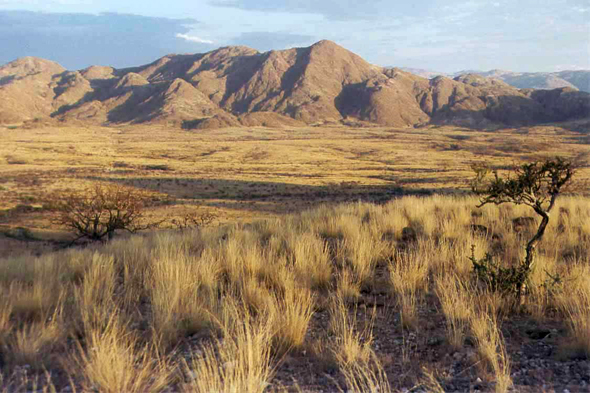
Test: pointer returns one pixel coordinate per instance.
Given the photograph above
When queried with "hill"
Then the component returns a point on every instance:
(234, 86)
(579, 80)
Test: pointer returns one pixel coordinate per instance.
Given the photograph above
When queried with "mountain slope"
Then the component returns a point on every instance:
(236, 86)
(579, 80)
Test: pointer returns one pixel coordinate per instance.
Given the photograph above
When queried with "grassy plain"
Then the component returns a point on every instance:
(245, 174)
(353, 296)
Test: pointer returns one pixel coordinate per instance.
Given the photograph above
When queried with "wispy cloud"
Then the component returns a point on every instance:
(193, 38)
(332, 9)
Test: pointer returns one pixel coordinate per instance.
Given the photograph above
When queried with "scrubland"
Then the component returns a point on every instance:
(338, 261)
(244, 174)
(355, 297)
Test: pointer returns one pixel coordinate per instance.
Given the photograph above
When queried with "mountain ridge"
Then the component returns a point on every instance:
(239, 86)
(578, 79)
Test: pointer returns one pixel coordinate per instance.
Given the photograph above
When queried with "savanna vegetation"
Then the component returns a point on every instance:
(315, 260)
(357, 297)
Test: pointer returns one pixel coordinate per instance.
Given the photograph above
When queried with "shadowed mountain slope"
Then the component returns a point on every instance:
(235, 86)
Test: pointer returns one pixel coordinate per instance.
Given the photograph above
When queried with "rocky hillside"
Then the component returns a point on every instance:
(578, 80)
(235, 86)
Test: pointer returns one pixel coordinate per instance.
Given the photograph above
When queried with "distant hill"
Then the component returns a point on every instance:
(579, 80)
(422, 72)
(235, 86)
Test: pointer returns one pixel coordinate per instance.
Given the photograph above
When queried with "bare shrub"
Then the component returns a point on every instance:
(100, 211)
(193, 220)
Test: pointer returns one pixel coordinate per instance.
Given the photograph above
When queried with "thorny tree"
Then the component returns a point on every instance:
(537, 185)
(100, 211)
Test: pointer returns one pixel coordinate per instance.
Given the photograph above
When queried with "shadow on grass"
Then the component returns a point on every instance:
(266, 196)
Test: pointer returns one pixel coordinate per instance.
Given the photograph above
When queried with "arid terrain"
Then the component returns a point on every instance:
(330, 266)
(252, 173)
(337, 244)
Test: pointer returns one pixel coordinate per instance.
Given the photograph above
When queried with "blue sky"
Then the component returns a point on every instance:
(441, 35)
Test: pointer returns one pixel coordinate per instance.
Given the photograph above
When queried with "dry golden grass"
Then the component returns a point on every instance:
(253, 295)
(114, 361)
(365, 375)
(214, 170)
(351, 344)
(94, 299)
(574, 300)
(491, 347)
(26, 383)
(5, 313)
(181, 289)
(311, 260)
(455, 301)
(254, 290)
(30, 344)
(290, 315)
(408, 275)
(240, 362)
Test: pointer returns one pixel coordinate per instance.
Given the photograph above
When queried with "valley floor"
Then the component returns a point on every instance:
(338, 261)
(251, 173)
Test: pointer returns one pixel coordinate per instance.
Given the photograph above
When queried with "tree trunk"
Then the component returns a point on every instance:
(530, 250)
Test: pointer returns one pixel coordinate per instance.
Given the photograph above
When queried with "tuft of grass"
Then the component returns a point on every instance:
(575, 305)
(95, 299)
(491, 348)
(350, 345)
(32, 344)
(362, 252)
(240, 362)
(5, 313)
(430, 382)
(365, 376)
(19, 382)
(181, 289)
(348, 288)
(456, 306)
(291, 315)
(112, 361)
(408, 275)
(311, 260)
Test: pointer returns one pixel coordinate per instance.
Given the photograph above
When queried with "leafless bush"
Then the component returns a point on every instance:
(100, 211)
(193, 220)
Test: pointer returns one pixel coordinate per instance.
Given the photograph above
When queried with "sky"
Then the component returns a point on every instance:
(438, 35)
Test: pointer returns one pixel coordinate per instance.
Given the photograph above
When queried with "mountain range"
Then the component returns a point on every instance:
(579, 80)
(239, 86)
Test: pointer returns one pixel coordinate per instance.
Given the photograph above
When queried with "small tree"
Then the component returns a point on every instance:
(100, 211)
(537, 185)
(193, 220)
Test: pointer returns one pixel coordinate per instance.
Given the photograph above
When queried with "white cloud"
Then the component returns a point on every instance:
(193, 38)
